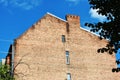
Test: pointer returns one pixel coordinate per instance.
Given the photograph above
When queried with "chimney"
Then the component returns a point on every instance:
(73, 23)
(73, 19)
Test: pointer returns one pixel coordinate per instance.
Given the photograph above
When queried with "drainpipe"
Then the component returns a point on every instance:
(12, 61)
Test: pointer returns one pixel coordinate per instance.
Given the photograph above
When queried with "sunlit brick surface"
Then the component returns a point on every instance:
(40, 52)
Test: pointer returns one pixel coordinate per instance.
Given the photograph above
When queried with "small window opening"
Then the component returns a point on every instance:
(68, 76)
(67, 58)
(63, 38)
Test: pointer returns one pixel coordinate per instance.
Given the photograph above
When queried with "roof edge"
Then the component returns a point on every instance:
(56, 16)
(92, 33)
(89, 31)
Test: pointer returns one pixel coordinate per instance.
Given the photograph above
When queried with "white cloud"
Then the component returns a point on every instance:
(75, 2)
(25, 4)
(94, 14)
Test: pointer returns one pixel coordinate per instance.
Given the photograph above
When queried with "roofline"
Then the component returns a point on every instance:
(92, 33)
(56, 16)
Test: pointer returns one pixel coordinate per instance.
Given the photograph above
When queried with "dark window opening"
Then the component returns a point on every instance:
(63, 38)
(67, 58)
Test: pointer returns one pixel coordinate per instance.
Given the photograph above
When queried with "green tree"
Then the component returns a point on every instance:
(110, 28)
(5, 73)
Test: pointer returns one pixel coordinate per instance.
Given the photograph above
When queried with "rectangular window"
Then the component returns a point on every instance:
(63, 38)
(67, 58)
(68, 76)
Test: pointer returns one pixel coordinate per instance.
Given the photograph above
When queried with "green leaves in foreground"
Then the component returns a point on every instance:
(110, 28)
(5, 73)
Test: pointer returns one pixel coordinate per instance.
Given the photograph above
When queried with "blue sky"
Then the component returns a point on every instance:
(16, 16)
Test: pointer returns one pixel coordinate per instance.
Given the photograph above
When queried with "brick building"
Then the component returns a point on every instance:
(57, 49)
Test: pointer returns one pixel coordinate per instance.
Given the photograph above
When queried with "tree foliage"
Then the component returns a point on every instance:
(109, 29)
(5, 73)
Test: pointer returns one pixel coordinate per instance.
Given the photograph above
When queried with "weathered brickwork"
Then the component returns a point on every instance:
(40, 52)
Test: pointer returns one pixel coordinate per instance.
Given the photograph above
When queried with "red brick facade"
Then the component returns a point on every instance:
(41, 54)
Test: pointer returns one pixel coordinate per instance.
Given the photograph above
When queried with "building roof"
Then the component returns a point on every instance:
(66, 21)
(56, 16)
(48, 13)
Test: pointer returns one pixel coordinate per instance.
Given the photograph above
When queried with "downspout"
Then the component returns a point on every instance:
(12, 61)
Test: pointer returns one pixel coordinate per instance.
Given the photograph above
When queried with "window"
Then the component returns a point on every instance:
(67, 58)
(67, 53)
(63, 38)
(68, 76)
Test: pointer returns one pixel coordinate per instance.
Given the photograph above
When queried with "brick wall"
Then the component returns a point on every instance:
(41, 55)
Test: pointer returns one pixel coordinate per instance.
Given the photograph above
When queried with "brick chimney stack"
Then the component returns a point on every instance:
(73, 19)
